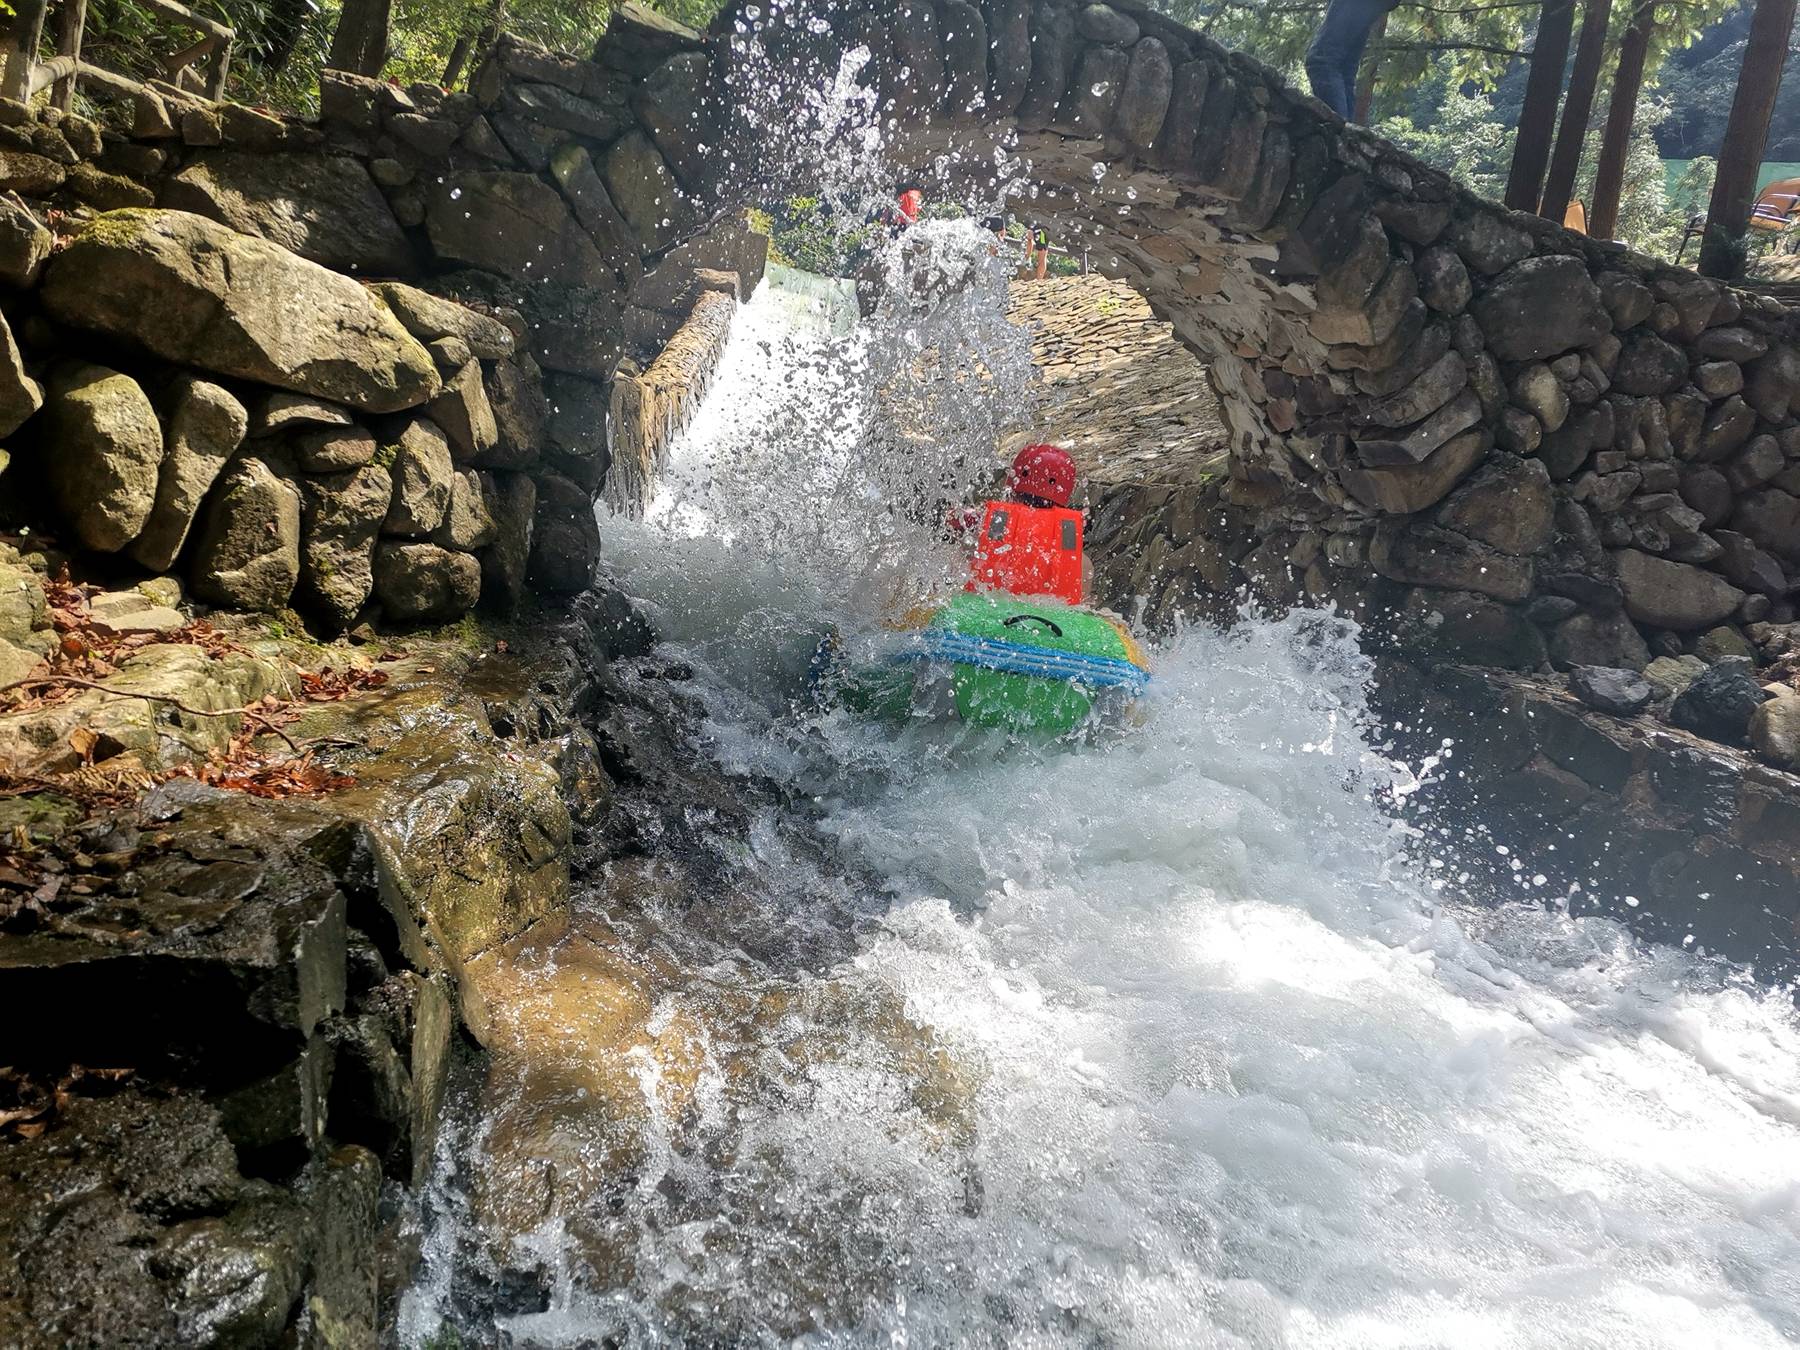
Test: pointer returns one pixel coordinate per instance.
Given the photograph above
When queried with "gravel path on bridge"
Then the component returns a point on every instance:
(1130, 402)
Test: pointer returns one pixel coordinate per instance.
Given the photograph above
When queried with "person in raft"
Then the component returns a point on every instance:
(1028, 543)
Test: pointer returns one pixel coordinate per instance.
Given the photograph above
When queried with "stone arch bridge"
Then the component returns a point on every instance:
(1528, 444)
(1536, 443)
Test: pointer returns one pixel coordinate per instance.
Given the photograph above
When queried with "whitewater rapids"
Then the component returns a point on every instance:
(1243, 1070)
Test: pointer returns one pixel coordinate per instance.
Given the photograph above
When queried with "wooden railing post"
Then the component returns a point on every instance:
(24, 36)
(70, 25)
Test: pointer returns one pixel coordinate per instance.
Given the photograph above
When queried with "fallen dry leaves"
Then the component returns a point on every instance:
(29, 1103)
(87, 653)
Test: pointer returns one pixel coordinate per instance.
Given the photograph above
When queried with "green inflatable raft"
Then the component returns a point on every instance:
(1020, 665)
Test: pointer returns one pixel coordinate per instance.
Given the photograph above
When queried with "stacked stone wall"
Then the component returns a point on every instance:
(389, 451)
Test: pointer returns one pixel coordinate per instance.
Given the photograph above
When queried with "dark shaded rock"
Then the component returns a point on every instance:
(1731, 344)
(676, 104)
(1426, 556)
(1771, 383)
(644, 190)
(1149, 84)
(1487, 243)
(514, 224)
(1706, 490)
(1719, 703)
(1627, 299)
(1771, 518)
(1416, 443)
(565, 543)
(1602, 639)
(323, 207)
(1099, 85)
(1649, 365)
(1054, 48)
(1465, 627)
(1622, 692)
(504, 562)
(1405, 488)
(516, 395)
(1443, 280)
(965, 57)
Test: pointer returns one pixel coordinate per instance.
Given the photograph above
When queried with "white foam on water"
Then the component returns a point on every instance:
(1240, 1075)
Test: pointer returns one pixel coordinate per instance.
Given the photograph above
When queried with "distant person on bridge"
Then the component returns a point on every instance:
(1037, 250)
(1337, 51)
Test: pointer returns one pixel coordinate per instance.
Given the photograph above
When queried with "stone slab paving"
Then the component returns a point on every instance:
(1115, 386)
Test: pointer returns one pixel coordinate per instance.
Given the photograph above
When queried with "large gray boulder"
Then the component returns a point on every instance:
(103, 452)
(422, 583)
(1679, 596)
(468, 523)
(463, 412)
(429, 317)
(206, 426)
(236, 305)
(248, 553)
(423, 474)
(1541, 307)
(1506, 505)
(24, 243)
(340, 520)
(20, 395)
(323, 207)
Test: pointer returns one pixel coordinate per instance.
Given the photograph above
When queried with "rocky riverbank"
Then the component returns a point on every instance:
(244, 879)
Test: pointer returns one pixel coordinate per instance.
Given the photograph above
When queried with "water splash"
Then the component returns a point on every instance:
(1148, 1042)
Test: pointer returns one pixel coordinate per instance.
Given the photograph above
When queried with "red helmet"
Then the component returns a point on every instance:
(1044, 471)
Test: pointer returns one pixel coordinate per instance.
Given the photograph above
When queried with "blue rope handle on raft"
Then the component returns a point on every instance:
(1017, 658)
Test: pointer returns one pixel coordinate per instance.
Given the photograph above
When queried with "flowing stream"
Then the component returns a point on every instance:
(1173, 1041)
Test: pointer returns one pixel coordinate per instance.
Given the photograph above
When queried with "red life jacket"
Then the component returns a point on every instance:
(1028, 550)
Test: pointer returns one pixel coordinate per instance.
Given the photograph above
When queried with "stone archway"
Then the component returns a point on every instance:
(1536, 445)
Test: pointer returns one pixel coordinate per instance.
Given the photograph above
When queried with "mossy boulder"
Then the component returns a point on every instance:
(239, 306)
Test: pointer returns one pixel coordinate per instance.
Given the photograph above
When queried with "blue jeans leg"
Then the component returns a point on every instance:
(1336, 51)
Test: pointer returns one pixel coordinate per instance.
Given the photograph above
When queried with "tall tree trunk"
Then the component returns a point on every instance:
(476, 44)
(360, 44)
(1537, 117)
(1365, 80)
(1578, 104)
(1746, 136)
(1621, 112)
